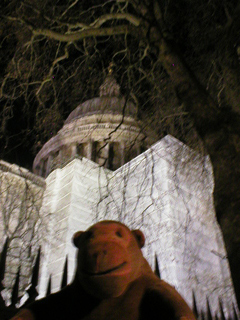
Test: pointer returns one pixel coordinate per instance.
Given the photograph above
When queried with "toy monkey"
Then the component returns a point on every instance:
(113, 282)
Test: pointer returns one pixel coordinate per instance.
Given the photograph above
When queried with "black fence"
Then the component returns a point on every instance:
(6, 312)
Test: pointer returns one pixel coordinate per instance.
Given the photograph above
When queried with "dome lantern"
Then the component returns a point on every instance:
(110, 87)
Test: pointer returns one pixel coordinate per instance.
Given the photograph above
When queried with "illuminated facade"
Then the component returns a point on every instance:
(102, 165)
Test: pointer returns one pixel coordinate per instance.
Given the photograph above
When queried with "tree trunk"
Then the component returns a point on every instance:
(220, 132)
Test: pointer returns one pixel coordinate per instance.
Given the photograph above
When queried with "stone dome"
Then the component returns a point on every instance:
(109, 101)
(104, 129)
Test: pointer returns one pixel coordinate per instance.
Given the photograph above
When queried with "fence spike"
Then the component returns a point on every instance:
(209, 314)
(15, 289)
(65, 271)
(3, 259)
(35, 272)
(235, 313)
(157, 269)
(221, 310)
(195, 311)
(49, 287)
(32, 291)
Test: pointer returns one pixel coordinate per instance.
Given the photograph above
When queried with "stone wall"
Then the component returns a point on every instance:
(167, 192)
(21, 195)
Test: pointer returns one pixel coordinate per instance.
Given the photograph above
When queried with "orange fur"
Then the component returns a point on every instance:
(113, 282)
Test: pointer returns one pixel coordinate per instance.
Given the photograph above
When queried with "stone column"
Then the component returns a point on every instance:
(122, 152)
(60, 159)
(49, 164)
(138, 147)
(106, 154)
(89, 149)
(74, 151)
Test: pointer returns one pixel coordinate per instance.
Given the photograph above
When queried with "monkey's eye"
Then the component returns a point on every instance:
(119, 234)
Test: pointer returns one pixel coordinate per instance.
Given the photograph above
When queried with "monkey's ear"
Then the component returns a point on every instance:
(139, 237)
(76, 237)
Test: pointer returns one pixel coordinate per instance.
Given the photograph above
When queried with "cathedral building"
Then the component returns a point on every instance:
(102, 164)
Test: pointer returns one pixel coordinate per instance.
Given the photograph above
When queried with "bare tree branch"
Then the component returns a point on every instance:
(83, 34)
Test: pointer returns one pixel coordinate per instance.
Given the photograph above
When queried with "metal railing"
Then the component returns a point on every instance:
(6, 312)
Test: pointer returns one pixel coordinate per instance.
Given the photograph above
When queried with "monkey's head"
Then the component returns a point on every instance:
(109, 258)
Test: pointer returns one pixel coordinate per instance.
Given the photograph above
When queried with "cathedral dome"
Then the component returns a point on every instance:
(109, 101)
(102, 105)
(104, 129)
